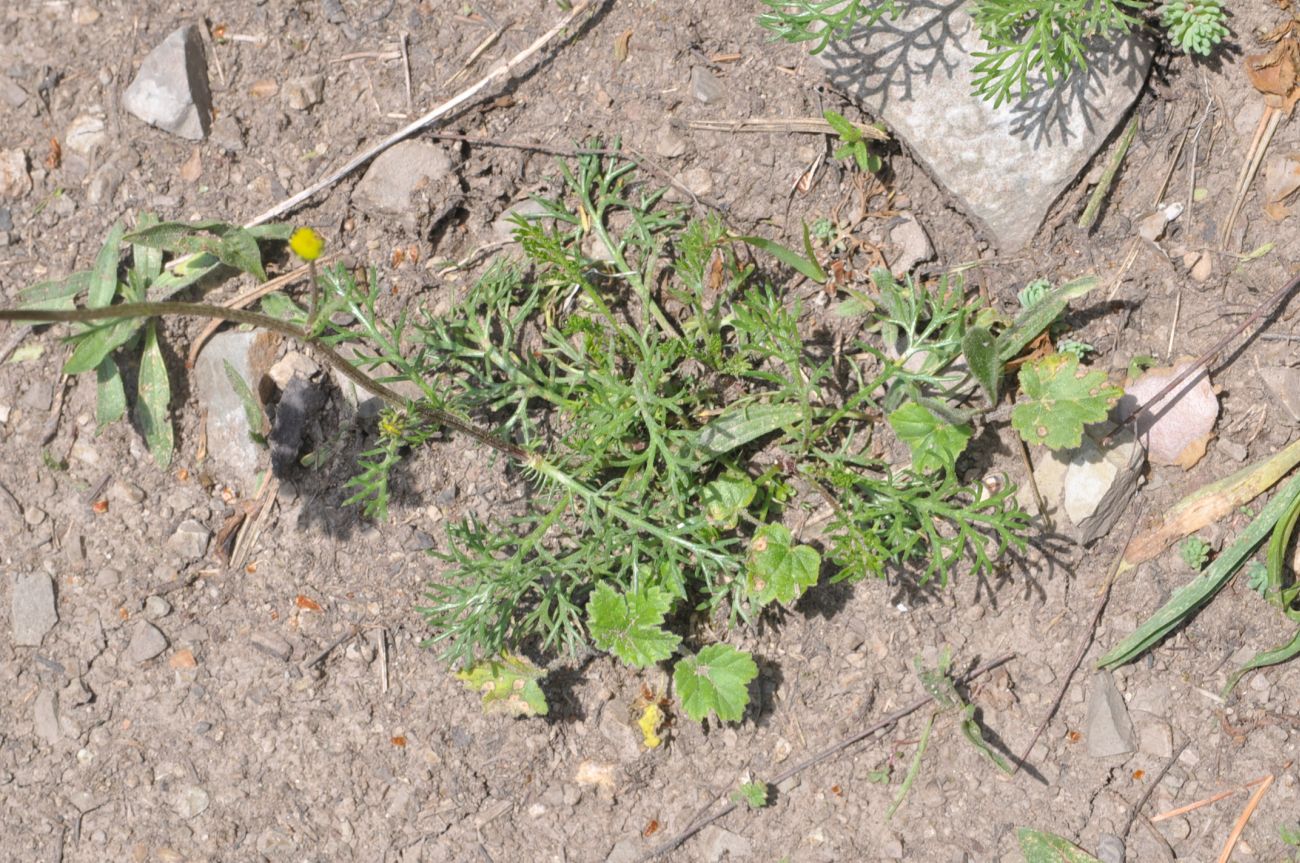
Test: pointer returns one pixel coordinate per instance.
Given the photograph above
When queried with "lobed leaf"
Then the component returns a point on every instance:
(935, 444)
(508, 684)
(777, 569)
(716, 679)
(630, 625)
(1060, 401)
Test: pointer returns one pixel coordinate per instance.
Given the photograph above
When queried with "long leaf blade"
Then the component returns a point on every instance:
(154, 392)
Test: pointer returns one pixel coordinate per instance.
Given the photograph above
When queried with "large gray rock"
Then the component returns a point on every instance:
(230, 445)
(1005, 166)
(171, 89)
(32, 611)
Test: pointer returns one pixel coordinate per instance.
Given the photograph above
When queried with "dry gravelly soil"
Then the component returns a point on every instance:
(241, 754)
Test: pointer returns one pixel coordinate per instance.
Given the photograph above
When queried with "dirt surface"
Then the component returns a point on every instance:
(231, 745)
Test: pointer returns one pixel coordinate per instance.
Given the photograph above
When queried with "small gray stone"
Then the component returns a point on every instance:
(190, 540)
(410, 166)
(124, 491)
(156, 608)
(913, 245)
(15, 182)
(230, 444)
(721, 845)
(1284, 384)
(1156, 738)
(1109, 729)
(13, 95)
(33, 611)
(45, 716)
(916, 74)
(504, 226)
(304, 92)
(621, 734)
(147, 641)
(1110, 849)
(85, 134)
(1233, 450)
(190, 801)
(669, 144)
(171, 89)
(705, 86)
(272, 644)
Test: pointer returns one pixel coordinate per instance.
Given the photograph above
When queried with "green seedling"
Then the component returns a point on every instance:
(1195, 552)
(752, 794)
(1194, 26)
(1041, 847)
(852, 144)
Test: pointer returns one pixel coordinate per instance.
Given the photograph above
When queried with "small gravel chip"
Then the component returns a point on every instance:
(146, 642)
(190, 540)
(33, 612)
(156, 608)
(272, 645)
(190, 801)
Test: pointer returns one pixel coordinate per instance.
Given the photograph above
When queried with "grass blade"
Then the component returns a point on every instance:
(154, 392)
(110, 402)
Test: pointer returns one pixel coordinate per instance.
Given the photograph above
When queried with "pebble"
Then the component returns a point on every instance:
(1283, 383)
(698, 180)
(293, 362)
(237, 456)
(171, 89)
(913, 243)
(15, 182)
(1109, 728)
(1233, 450)
(705, 86)
(504, 227)
(190, 540)
(156, 608)
(190, 801)
(1157, 739)
(273, 644)
(1110, 849)
(83, 452)
(147, 641)
(409, 166)
(720, 845)
(85, 134)
(123, 491)
(45, 716)
(669, 144)
(33, 608)
(304, 92)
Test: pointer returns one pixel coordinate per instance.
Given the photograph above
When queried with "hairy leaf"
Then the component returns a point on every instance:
(715, 679)
(508, 684)
(778, 569)
(726, 498)
(1060, 400)
(630, 626)
(981, 352)
(110, 402)
(935, 444)
(103, 276)
(738, 426)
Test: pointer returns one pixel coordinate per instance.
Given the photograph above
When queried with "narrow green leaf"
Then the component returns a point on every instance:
(846, 130)
(981, 352)
(103, 276)
(56, 294)
(1038, 317)
(253, 413)
(1196, 593)
(238, 249)
(95, 344)
(738, 426)
(153, 394)
(716, 679)
(278, 305)
(147, 260)
(807, 267)
(630, 626)
(1265, 658)
(1040, 847)
(272, 231)
(175, 280)
(175, 236)
(110, 402)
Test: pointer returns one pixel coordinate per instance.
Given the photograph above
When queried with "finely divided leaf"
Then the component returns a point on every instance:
(716, 679)
(508, 684)
(1060, 401)
(777, 569)
(935, 444)
(153, 393)
(630, 625)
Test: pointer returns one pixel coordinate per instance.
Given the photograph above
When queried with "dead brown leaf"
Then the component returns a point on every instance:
(55, 157)
(263, 89)
(622, 45)
(1281, 180)
(1274, 74)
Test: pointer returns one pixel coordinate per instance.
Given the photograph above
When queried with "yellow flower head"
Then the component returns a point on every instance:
(306, 244)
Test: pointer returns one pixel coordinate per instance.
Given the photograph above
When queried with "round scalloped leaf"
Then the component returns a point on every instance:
(778, 569)
(715, 679)
(1059, 399)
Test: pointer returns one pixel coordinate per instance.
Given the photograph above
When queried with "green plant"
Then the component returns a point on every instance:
(1194, 26)
(1026, 39)
(752, 794)
(1042, 847)
(98, 346)
(1195, 552)
(673, 413)
(852, 143)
